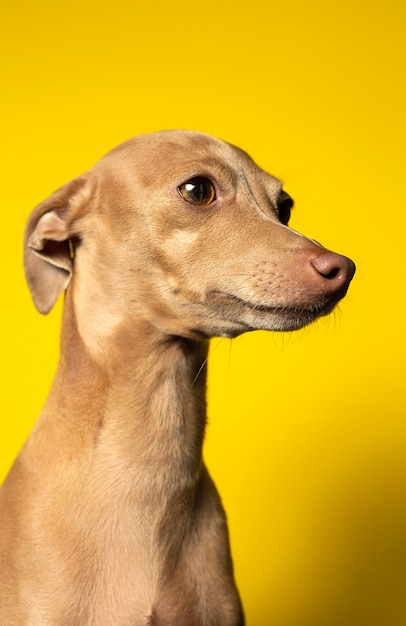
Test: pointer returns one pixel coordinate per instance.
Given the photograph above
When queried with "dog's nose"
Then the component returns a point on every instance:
(337, 270)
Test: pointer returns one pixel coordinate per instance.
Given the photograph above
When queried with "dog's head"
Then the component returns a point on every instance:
(185, 231)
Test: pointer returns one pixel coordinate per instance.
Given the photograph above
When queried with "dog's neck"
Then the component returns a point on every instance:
(141, 404)
(125, 433)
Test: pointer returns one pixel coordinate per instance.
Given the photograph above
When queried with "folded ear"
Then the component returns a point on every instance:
(48, 248)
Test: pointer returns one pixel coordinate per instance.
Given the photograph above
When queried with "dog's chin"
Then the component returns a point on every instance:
(240, 316)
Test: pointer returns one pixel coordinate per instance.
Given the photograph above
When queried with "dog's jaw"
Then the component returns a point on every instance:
(244, 316)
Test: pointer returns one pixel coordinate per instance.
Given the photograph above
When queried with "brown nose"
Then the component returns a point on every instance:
(337, 270)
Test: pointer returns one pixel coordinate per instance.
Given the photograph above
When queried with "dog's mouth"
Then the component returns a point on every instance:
(278, 317)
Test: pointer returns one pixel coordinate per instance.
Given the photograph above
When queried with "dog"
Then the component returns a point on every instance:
(108, 515)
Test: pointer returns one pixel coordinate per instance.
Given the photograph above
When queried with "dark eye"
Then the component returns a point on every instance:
(285, 205)
(199, 191)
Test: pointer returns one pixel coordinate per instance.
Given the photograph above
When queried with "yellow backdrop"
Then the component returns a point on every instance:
(307, 437)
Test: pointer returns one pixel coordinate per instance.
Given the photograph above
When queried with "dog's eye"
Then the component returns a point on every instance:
(285, 206)
(199, 191)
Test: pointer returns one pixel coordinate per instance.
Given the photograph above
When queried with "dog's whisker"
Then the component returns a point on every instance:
(199, 371)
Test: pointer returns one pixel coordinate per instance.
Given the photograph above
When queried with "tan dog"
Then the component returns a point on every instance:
(109, 517)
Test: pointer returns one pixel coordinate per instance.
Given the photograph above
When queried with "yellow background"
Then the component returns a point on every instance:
(307, 436)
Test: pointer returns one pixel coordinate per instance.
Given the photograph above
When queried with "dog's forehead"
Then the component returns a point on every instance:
(161, 156)
(167, 149)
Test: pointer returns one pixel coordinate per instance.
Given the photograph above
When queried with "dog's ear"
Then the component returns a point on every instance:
(48, 248)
